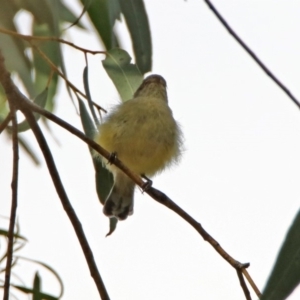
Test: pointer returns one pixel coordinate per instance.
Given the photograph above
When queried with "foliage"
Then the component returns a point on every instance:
(18, 285)
(37, 61)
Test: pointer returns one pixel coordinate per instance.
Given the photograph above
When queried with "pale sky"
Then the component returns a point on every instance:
(239, 176)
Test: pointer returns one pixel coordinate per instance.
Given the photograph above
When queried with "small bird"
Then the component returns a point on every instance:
(145, 137)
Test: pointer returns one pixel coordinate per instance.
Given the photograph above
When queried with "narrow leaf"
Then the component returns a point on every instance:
(286, 272)
(88, 94)
(17, 236)
(50, 269)
(112, 225)
(137, 22)
(103, 177)
(103, 17)
(125, 75)
(36, 295)
(31, 291)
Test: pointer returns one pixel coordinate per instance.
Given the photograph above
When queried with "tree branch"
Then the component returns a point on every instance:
(14, 203)
(154, 193)
(243, 284)
(66, 203)
(30, 38)
(17, 100)
(5, 122)
(251, 53)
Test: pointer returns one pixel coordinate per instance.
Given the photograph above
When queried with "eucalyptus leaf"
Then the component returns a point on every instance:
(103, 178)
(285, 276)
(103, 14)
(88, 93)
(36, 294)
(125, 75)
(31, 291)
(137, 22)
(50, 269)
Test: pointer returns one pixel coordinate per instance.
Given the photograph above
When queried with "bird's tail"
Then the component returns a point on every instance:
(119, 202)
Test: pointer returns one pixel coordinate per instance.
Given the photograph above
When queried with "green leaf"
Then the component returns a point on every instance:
(125, 75)
(26, 290)
(36, 295)
(13, 49)
(86, 121)
(137, 22)
(67, 16)
(286, 272)
(17, 236)
(104, 179)
(88, 94)
(42, 69)
(50, 269)
(112, 225)
(103, 14)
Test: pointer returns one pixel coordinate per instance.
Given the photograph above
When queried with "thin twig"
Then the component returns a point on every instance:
(6, 121)
(61, 74)
(243, 284)
(14, 203)
(251, 53)
(251, 282)
(47, 39)
(66, 203)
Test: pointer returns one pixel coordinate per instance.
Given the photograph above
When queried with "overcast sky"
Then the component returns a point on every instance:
(239, 176)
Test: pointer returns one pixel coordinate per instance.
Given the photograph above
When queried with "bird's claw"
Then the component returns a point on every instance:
(146, 185)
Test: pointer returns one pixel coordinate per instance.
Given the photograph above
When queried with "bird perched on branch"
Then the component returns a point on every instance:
(145, 137)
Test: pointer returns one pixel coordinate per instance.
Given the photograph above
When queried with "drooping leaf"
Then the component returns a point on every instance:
(285, 275)
(137, 22)
(13, 48)
(50, 269)
(103, 14)
(66, 15)
(88, 94)
(112, 225)
(103, 178)
(125, 75)
(36, 295)
(17, 236)
(43, 296)
(42, 68)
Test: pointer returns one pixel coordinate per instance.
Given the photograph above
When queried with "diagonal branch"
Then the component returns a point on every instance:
(251, 53)
(14, 203)
(154, 193)
(243, 284)
(66, 203)
(28, 107)
(30, 38)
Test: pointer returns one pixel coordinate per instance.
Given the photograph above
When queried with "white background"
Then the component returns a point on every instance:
(239, 176)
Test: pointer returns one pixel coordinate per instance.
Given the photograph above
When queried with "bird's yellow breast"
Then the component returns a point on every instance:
(143, 133)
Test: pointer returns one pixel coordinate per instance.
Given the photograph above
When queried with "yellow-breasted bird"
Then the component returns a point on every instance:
(145, 137)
